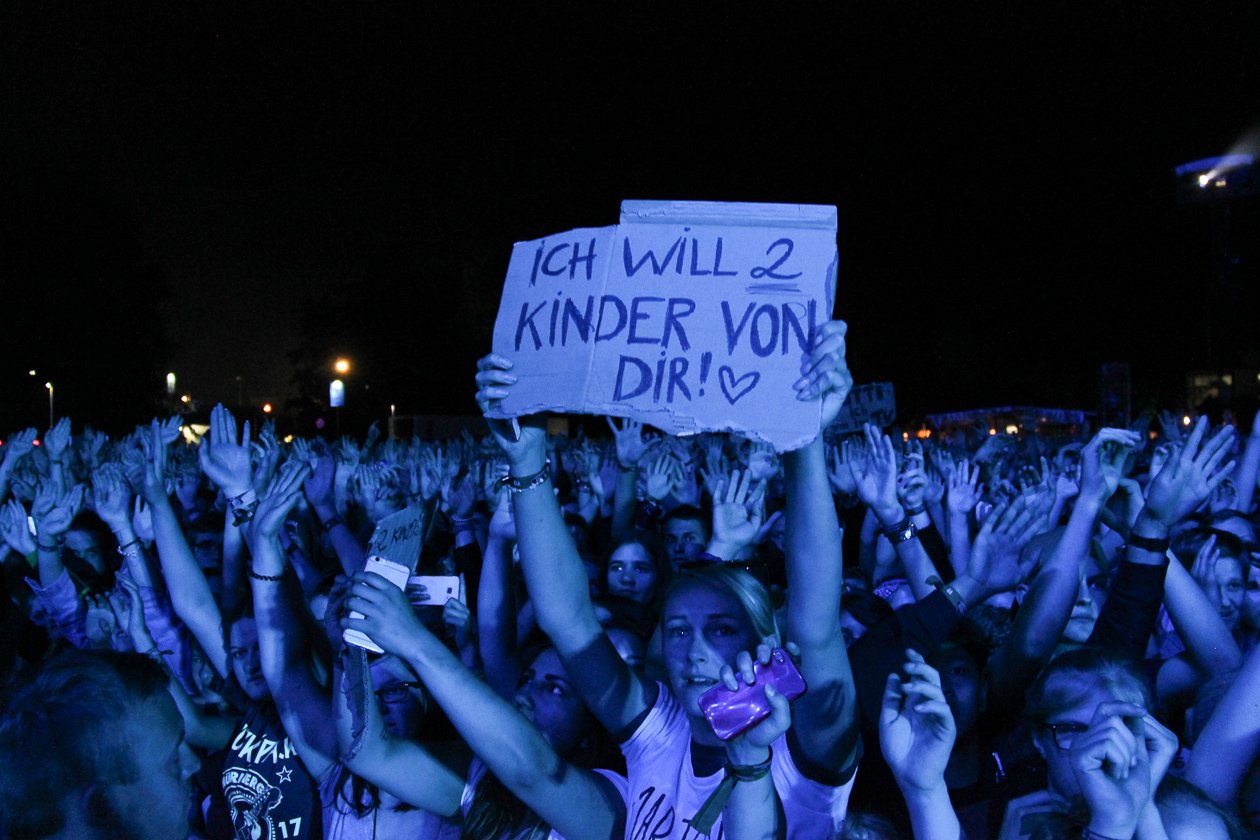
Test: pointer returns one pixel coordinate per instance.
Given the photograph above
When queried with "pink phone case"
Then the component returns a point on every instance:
(732, 712)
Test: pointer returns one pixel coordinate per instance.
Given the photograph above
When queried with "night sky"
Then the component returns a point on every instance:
(266, 190)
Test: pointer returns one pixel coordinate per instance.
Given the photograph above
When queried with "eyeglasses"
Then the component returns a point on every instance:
(1065, 733)
(395, 692)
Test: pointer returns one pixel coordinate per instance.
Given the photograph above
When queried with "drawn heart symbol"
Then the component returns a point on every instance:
(735, 388)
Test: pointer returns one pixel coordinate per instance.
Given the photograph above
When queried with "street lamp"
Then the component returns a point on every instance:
(342, 366)
(49, 386)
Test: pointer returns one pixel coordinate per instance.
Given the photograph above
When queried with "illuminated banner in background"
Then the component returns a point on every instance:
(689, 316)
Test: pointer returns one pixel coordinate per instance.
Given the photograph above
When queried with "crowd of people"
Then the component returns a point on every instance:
(1030, 636)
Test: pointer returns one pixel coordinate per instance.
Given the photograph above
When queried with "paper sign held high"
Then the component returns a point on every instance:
(689, 316)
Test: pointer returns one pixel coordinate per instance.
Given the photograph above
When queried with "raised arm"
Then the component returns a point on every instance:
(554, 574)
(190, 594)
(283, 645)
(916, 735)
(825, 718)
(575, 802)
(1249, 468)
(1048, 606)
(320, 495)
(496, 604)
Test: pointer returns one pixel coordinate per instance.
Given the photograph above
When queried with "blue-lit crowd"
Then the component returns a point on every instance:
(619, 633)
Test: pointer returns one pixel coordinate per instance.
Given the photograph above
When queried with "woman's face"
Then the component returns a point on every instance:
(548, 699)
(397, 698)
(705, 628)
(632, 574)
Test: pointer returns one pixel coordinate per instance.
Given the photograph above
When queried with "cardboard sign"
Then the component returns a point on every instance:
(688, 316)
(399, 537)
(870, 403)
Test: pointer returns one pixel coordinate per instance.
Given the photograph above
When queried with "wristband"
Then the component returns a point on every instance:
(50, 548)
(1087, 834)
(526, 482)
(915, 511)
(903, 531)
(257, 576)
(125, 548)
(332, 522)
(713, 806)
(948, 590)
(463, 523)
(1155, 545)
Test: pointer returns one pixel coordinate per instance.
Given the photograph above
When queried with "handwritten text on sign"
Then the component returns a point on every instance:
(687, 316)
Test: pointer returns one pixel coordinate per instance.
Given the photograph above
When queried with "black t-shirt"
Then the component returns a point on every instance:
(265, 791)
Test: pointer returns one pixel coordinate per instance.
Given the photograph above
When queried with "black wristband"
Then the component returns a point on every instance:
(257, 576)
(1155, 545)
(915, 511)
(333, 522)
(520, 484)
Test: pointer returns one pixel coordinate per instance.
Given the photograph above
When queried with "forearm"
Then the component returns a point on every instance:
(932, 815)
(492, 727)
(959, 542)
(812, 548)
(623, 505)
(1230, 741)
(190, 594)
(753, 812)
(554, 573)
(496, 619)
(1207, 639)
(350, 554)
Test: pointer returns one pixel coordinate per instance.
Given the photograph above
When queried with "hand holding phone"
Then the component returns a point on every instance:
(392, 572)
(732, 713)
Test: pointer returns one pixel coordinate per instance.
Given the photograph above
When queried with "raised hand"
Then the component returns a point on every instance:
(170, 429)
(762, 462)
(848, 460)
(458, 620)
(388, 618)
(18, 445)
(57, 440)
(129, 612)
(964, 488)
(912, 481)
(877, 485)
(14, 528)
(1112, 765)
(524, 444)
(265, 453)
(224, 456)
(279, 499)
(916, 727)
(737, 514)
(142, 520)
(56, 521)
(1188, 479)
(112, 497)
(661, 476)
(824, 371)
(460, 495)
(1102, 462)
(629, 442)
(994, 560)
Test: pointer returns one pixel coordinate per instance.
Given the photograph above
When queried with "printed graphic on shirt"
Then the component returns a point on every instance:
(254, 779)
(654, 819)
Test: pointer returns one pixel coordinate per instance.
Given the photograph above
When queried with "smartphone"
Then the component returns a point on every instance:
(731, 713)
(392, 572)
(440, 588)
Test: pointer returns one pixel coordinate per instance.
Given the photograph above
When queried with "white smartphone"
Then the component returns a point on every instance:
(439, 588)
(394, 573)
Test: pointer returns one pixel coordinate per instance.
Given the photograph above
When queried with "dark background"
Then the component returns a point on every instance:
(240, 196)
